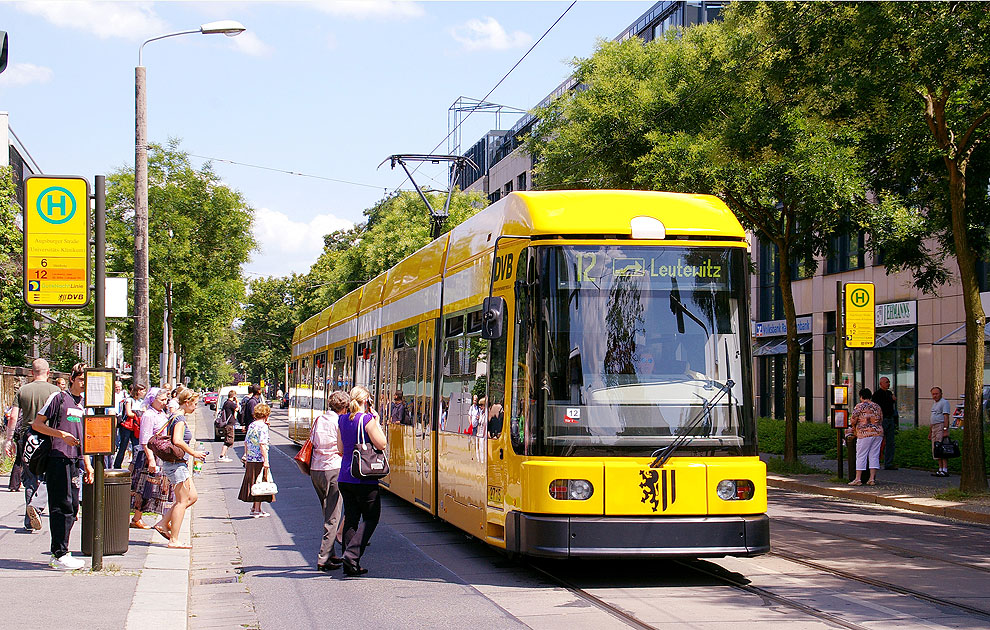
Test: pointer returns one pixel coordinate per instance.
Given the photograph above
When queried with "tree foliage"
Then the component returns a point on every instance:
(199, 236)
(910, 79)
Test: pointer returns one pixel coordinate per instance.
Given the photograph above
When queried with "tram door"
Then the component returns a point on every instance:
(423, 486)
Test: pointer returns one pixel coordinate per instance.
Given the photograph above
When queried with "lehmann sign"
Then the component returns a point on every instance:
(897, 314)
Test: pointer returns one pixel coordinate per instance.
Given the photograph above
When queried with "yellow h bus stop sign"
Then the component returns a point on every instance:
(56, 242)
(860, 315)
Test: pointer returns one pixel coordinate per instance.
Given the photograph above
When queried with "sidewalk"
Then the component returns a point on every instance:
(904, 488)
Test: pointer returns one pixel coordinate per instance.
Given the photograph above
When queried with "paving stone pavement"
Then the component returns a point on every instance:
(217, 596)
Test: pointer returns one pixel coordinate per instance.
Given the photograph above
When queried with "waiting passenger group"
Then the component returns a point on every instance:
(333, 434)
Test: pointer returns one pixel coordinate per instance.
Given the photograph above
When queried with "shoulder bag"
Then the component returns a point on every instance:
(304, 457)
(264, 485)
(162, 446)
(947, 449)
(37, 449)
(367, 462)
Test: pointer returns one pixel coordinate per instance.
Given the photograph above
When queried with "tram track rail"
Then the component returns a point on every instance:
(888, 586)
(698, 566)
(898, 550)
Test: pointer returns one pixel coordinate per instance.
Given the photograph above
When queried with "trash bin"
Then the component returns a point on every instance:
(116, 513)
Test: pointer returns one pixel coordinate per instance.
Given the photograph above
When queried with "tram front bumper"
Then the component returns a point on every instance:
(554, 536)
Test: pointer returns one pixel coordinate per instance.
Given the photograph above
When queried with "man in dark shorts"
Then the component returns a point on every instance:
(62, 419)
(226, 420)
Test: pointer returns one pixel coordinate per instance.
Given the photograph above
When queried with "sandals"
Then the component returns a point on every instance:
(261, 514)
(171, 546)
(140, 525)
(871, 483)
(855, 482)
(165, 534)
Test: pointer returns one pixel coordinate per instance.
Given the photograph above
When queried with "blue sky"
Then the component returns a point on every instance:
(323, 88)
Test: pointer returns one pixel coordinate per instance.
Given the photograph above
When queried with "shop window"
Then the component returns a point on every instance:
(898, 362)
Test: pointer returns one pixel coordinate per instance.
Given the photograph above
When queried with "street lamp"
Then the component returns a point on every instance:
(141, 363)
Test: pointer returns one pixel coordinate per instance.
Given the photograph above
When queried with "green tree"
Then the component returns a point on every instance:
(199, 236)
(396, 227)
(269, 316)
(16, 319)
(910, 77)
(689, 113)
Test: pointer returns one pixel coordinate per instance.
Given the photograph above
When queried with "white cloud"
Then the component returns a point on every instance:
(129, 20)
(366, 9)
(24, 74)
(488, 34)
(290, 246)
(250, 44)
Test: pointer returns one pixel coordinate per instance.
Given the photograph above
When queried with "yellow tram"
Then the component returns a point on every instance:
(564, 374)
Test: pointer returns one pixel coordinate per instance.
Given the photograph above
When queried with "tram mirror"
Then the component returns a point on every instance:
(493, 310)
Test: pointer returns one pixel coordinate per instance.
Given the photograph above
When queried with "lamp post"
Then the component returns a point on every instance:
(141, 363)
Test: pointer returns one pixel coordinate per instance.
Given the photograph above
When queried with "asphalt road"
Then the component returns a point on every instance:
(833, 564)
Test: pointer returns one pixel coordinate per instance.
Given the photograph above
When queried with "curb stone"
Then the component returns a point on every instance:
(934, 507)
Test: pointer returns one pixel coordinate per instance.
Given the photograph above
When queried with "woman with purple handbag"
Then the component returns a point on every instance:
(362, 499)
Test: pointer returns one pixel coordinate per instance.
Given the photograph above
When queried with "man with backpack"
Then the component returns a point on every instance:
(31, 397)
(62, 419)
(247, 411)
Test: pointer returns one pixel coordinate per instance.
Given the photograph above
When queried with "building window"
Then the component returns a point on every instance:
(521, 181)
(845, 253)
(771, 304)
(507, 188)
(495, 196)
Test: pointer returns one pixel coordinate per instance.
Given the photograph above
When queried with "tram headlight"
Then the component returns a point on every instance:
(735, 489)
(571, 489)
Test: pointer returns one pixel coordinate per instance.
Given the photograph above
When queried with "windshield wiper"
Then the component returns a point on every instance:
(662, 455)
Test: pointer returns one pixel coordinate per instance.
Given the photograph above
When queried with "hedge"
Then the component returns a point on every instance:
(913, 450)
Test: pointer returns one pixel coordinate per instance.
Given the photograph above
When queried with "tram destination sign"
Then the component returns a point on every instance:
(860, 315)
(56, 241)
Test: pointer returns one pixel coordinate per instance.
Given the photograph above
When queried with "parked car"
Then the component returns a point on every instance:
(210, 400)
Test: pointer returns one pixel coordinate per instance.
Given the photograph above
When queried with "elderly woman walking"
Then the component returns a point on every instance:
(178, 473)
(256, 442)
(866, 425)
(151, 490)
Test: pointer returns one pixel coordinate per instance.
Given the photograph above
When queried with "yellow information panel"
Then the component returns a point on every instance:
(56, 242)
(860, 315)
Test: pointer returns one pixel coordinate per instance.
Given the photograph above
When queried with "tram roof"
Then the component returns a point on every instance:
(535, 213)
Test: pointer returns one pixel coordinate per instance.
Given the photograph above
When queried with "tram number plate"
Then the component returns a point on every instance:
(494, 494)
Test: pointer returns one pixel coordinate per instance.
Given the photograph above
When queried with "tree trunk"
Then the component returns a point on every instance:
(974, 475)
(790, 373)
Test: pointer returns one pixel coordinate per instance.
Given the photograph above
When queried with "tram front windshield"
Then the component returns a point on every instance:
(636, 346)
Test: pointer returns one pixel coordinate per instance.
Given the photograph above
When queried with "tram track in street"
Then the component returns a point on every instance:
(888, 586)
(897, 550)
(717, 573)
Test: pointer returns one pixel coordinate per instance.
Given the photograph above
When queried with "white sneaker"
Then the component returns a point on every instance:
(224, 459)
(33, 517)
(66, 563)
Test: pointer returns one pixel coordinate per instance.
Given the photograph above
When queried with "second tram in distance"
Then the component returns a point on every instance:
(564, 374)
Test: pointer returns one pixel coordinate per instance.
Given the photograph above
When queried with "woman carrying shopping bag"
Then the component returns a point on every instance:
(256, 442)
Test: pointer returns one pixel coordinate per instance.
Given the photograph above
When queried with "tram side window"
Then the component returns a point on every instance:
(463, 403)
(523, 387)
(402, 408)
(496, 386)
(294, 380)
(337, 377)
(367, 366)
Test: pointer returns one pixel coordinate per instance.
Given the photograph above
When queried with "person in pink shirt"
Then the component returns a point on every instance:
(324, 469)
(866, 425)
